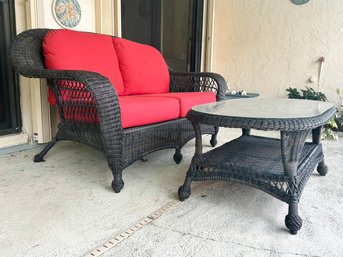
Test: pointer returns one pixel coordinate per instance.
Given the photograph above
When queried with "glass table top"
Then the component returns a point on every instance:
(269, 108)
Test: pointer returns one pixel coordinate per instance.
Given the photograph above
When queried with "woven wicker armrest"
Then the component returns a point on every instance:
(99, 90)
(85, 88)
(198, 82)
(98, 94)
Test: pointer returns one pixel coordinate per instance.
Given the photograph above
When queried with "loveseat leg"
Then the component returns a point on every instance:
(39, 157)
(117, 183)
(177, 156)
(214, 137)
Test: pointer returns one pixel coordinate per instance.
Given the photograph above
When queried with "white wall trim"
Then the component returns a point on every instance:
(209, 33)
(108, 17)
(117, 19)
(40, 108)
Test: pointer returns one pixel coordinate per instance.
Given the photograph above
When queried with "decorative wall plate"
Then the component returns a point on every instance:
(67, 13)
(300, 2)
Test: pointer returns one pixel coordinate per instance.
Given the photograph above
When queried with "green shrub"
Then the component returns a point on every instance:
(310, 94)
(339, 114)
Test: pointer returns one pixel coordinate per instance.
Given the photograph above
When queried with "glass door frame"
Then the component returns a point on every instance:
(12, 123)
(196, 42)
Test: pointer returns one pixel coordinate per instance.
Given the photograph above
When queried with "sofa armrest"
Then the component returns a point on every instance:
(198, 82)
(85, 89)
(94, 94)
(98, 98)
(27, 60)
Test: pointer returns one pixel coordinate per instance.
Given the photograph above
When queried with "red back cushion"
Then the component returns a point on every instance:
(73, 50)
(143, 68)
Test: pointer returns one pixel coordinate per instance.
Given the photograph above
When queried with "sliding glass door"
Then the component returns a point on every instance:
(172, 26)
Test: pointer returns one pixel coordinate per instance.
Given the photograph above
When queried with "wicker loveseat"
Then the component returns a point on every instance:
(100, 106)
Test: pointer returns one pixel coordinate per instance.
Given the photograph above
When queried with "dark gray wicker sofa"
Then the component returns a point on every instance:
(90, 112)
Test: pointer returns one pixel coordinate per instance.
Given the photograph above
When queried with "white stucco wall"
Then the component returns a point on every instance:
(267, 46)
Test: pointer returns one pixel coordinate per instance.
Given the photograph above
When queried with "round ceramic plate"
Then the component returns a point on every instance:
(67, 13)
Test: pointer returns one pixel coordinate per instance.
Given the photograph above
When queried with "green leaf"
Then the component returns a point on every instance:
(293, 93)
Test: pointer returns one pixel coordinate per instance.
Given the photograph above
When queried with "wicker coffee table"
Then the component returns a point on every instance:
(279, 167)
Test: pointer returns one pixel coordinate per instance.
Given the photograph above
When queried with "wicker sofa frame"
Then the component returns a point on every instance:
(98, 122)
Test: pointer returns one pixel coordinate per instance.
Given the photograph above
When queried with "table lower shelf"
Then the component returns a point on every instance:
(257, 161)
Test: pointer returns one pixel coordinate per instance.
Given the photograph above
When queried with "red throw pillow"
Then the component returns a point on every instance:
(143, 68)
(74, 50)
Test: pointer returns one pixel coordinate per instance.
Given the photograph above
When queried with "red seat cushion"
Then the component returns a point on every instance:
(134, 110)
(73, 50)
(142, 110)
(143, 68)
(189, 99)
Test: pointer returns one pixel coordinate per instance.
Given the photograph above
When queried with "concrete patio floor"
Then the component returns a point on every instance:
(66, 207)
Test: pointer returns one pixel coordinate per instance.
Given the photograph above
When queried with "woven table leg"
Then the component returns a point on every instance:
(214, 140)
(316, 134)
(322, 168)
(246, 131)
(293, 221)
(185, 190)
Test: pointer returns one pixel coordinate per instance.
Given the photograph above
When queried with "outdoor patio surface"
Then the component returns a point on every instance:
(66, 207)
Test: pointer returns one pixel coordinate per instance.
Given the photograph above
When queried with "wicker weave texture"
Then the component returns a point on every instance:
(256, 161)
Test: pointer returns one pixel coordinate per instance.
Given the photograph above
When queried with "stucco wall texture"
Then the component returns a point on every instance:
(266, 46)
